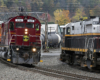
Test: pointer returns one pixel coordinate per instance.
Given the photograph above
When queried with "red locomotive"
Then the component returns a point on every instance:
(20, 40)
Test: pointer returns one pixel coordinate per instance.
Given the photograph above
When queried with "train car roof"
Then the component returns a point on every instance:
(1, 22)
(52, 26)
(62, 26)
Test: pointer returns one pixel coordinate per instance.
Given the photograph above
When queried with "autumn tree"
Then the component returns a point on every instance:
(43, 16)
(2, 3)
(49, 6)
(61, 16)
(78, 14)
(9, 3)
(96, 11)
(91, 13)
(28, 6)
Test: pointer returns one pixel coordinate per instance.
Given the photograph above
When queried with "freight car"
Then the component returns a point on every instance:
(20, 40)
(62, 28)
(42, 37)
(81, 43)
(54, 35)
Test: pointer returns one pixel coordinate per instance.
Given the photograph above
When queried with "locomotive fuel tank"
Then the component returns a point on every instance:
(3, 54)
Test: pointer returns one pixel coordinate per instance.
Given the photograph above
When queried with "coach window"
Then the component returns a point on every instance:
(37, 27)
(11, 26)
(68, 30)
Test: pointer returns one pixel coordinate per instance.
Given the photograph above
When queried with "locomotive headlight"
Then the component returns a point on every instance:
(17, 49)
(26, 29)
(34, 49)
(26, 32)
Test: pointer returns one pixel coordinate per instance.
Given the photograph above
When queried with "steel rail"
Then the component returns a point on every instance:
(49, 72)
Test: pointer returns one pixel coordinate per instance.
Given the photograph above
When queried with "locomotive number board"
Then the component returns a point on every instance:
(19, 20)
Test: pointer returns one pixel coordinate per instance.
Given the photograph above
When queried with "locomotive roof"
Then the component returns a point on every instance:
(21, 17)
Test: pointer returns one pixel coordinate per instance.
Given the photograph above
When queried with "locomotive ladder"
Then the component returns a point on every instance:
(91, 53)
(20, 35)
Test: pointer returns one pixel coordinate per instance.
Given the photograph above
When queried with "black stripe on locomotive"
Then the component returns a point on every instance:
(79, 41)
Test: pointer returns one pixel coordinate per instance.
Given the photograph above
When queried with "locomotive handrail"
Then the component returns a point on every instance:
(21, 35)
(96, 37)
(10, 38)
(34, 36)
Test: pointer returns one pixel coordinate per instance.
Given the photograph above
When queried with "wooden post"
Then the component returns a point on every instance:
(46, 33)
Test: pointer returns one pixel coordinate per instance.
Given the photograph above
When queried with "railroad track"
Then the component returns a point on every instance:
(49, 72)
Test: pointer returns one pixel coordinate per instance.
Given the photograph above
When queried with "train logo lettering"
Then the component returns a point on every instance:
(25, 38)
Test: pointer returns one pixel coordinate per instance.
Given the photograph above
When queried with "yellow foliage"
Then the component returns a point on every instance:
(91, 13)
(39, 2)
(2, 4)
(61, 16)
(84, 18)
(78, 14)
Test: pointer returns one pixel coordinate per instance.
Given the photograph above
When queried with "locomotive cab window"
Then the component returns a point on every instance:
(20, 25)
(37, 27)
(29, 25)
(72, 27)
(68, 30)
(11, 26)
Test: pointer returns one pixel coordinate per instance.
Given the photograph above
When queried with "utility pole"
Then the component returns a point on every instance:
(46, 33)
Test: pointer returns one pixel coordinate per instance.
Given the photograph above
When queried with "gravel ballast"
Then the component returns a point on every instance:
(53, 62)
(9, 73)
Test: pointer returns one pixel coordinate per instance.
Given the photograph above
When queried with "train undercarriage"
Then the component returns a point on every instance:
(81, 58)
(20, 54)
(85, 56)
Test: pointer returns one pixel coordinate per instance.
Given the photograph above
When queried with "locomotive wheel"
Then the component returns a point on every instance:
(82, 63)
(89, 62)
(71, 59)
(63, 57)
